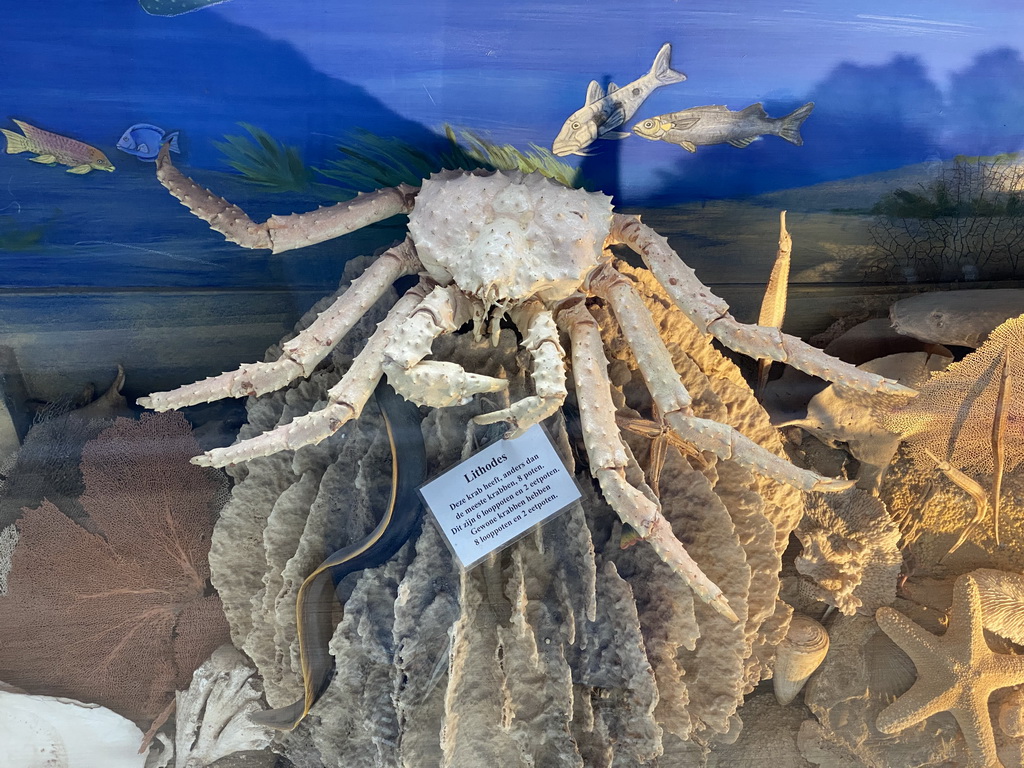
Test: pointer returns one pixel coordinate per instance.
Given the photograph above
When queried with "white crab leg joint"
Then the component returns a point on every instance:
(434, 383)
(301, 354)
(608, 457)
(282, 233)
(345, 400)
(673, 400)
(540, 339)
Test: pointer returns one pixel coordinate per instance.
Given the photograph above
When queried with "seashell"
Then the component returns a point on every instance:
(49, 732)
(800, 653)
(1002, 602)
(1011, 714)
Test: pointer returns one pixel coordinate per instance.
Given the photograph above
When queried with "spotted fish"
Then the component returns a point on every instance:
(604, 112)
(717, 124)
(51, 148)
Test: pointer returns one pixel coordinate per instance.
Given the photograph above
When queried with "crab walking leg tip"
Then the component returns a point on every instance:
(833, 485)
(720, 604)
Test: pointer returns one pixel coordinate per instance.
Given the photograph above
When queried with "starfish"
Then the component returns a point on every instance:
(662, 438)
(956, 672)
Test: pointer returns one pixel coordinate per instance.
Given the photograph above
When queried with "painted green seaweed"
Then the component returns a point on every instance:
(371, 162)
(265, 161)
(16, 237)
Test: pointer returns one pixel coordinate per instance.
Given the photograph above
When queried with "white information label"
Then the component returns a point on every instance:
(495, 496)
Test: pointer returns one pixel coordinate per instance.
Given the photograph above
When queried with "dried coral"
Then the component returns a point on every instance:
(212, 715)
(954, 413)
(850, 551)
(121, 616)
(47, 466)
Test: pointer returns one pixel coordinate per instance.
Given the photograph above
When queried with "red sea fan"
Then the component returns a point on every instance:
(122, 618)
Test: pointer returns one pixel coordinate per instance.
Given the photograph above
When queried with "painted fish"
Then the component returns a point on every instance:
(175, 7)
(718, 124)
(143, 140)
(51, 148)
(603, 112)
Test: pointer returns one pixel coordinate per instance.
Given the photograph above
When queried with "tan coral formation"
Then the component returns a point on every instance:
(564, 650)
(850, 551)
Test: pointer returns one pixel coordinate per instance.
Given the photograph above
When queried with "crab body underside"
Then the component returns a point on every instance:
(488, 246)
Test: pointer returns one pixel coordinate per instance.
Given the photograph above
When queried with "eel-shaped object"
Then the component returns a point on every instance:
(315, 602)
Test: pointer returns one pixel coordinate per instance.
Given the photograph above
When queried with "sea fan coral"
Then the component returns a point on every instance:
(123, 615)
(954, 413)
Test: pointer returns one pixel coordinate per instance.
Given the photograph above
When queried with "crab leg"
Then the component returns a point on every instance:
(540, 339)
(608, 458)
(711, 315)
(673, 400)
(300, 355)
(282, 233)
(345, 400)
(434, 383)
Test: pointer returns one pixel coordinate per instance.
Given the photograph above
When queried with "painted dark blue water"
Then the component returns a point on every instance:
(309, 73)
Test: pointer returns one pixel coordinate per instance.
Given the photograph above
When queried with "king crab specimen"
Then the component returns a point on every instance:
(487, 246)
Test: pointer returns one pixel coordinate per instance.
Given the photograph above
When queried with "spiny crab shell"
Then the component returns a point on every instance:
(508, 236)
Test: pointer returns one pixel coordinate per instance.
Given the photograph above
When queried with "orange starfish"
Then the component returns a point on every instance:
(956, 672)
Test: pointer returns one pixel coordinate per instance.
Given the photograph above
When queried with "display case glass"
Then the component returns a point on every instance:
(522, 384)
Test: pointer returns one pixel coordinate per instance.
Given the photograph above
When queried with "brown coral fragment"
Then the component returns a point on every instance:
(121, 617)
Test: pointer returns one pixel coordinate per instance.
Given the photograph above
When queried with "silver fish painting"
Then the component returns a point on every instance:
(717, 124)
(604, 112)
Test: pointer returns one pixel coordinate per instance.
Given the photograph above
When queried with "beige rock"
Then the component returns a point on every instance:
(962, 318)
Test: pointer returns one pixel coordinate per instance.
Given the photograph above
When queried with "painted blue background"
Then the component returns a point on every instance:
(896, 82)
(139, 281)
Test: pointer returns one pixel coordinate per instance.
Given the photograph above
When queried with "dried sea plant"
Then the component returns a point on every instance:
(773, 305)
(970, 415)
(118, 613)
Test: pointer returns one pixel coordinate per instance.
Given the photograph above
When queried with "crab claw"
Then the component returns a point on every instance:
(439, 384)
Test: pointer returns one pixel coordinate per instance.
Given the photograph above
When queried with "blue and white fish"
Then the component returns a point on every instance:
(143, 140)
(604, 112)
